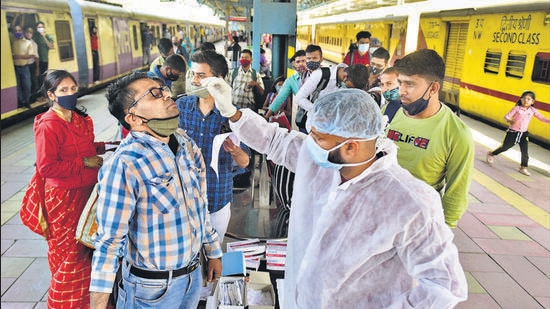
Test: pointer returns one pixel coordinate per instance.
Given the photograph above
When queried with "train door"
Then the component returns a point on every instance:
(94, 45)
(454, 61)
(9, 79)
(123, 44)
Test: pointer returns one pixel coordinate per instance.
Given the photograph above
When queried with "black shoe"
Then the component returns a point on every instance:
(24, 105)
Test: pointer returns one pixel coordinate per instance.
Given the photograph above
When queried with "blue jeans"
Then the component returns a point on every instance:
(23, 75)
(182, 292)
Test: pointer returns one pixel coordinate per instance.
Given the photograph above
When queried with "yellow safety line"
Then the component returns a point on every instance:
(531, 210)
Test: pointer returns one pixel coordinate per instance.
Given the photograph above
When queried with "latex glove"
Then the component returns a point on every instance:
(221, 92)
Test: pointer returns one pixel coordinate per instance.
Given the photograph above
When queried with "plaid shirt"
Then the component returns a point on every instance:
(202, 129)
(243, 96)
(151, 208)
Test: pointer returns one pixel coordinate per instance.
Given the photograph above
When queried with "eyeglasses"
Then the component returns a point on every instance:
(156, 92)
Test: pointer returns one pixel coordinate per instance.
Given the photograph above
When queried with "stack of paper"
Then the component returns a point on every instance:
(275, 254)
(253, 251)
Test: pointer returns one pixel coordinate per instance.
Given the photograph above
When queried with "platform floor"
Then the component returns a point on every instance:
(503, 238)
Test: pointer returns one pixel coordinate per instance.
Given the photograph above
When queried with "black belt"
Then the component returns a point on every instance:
(164, 274)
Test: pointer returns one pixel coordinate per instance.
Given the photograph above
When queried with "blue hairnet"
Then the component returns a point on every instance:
(347, 113)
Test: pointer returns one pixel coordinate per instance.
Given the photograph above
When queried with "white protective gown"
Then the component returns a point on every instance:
(377, 241)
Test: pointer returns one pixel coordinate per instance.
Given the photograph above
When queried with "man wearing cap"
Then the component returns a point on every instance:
(363, 232)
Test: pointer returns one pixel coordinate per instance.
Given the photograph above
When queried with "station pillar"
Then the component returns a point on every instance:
(279, 20)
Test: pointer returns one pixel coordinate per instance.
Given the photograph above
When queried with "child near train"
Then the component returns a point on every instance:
(519, 118)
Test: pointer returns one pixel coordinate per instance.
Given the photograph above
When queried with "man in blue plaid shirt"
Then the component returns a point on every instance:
(152, 207)
(202, 121)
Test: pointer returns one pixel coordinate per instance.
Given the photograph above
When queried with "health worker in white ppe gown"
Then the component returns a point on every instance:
(363, 232)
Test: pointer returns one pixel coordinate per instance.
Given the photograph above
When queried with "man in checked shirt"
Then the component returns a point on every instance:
(152, 207)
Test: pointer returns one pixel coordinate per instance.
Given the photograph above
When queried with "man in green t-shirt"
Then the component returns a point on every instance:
(434, 144)
(44, 42)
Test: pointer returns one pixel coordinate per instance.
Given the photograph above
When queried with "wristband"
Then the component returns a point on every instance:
(85, 160)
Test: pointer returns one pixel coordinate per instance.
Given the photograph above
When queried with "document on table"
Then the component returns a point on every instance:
(217, 144)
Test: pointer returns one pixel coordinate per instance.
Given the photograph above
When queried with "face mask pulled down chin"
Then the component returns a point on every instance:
(68, 101)
(163, 126)
(313, 65)
(322, 156)
(419, 105)
(199, 91)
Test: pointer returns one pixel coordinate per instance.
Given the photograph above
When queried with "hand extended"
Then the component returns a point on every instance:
(214, 270)
(93, 161)
(221, 92)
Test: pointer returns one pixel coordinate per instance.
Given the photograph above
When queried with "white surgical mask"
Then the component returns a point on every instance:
(363, 48)
(199, 91)
(321, 156)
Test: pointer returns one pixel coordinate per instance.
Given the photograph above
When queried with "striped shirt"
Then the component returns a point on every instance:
(151, 209)
(243, 96)
(202, 129)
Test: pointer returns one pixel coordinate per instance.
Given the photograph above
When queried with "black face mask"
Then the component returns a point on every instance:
(375, 70)
(419, 105)
(172, 77)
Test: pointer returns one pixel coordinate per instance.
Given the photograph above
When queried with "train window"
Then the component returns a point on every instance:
(64, 40)
(541, 68)
(135, 36)
(492, 61)
(515, 66)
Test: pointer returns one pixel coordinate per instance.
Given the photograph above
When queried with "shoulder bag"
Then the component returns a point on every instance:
(33, 207)
(87, 224)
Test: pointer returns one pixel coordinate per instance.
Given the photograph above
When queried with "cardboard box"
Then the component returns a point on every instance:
(260, 282)
(258, 292)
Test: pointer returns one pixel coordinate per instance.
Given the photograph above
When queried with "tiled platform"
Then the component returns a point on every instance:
(503, 239)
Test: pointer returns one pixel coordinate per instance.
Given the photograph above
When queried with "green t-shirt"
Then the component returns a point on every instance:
(440, 151)
(43, 49)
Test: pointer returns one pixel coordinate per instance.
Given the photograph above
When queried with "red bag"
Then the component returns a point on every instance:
(33, 206)
(282, 120)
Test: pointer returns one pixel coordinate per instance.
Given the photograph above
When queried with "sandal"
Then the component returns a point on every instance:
(524, 171)
(490, 158)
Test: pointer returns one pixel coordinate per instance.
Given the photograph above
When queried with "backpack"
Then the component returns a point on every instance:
(392, 108)
(301, 114)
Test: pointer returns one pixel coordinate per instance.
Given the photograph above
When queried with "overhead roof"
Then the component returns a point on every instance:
(320, 8)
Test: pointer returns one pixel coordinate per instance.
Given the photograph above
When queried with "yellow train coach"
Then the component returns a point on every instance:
(493, 51)
(69, 23)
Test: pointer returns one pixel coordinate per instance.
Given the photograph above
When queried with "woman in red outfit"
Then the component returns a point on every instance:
(67, 157)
